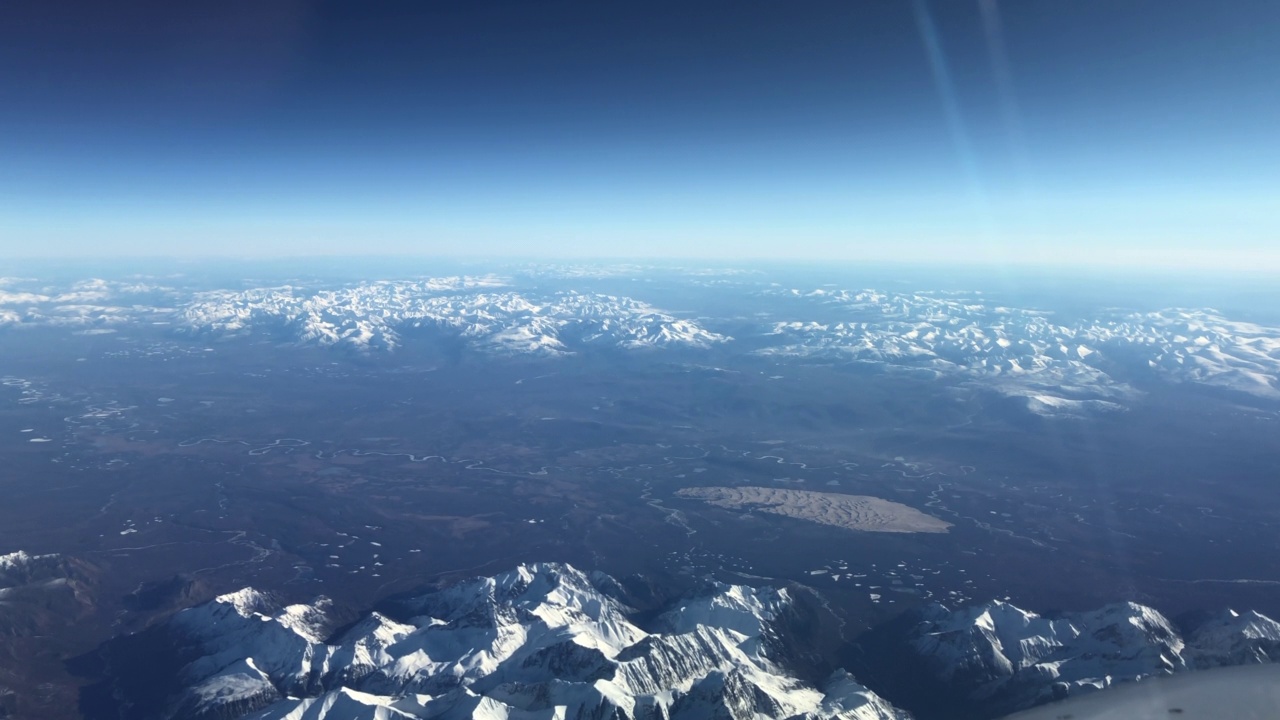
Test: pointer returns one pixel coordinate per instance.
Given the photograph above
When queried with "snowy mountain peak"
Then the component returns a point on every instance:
(540, 641)
(14, 559)
(998, 653)
(248, 602)
(20, 567)
(1234, 638)
(44, 583)
(739, 608)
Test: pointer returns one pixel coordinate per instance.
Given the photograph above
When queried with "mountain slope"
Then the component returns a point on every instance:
(1004, 658)
(541, 641)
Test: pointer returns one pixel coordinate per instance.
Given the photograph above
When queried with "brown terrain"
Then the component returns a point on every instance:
(853, 512)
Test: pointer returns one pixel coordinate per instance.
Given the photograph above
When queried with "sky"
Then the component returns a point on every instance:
(1090, 132)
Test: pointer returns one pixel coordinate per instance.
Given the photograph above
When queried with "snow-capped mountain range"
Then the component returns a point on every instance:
(549, 642)
(1007, 658)
(1052, 364)
(542, 641)
(374, 315)
(1059, 367)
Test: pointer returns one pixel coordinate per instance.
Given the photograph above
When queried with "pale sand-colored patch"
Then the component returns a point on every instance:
(854, 512)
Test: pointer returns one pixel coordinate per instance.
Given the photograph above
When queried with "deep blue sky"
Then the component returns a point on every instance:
(1089, 131)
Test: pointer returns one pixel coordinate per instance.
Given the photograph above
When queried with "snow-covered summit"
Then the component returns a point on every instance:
(998, 653)
(1233, 638)
(21, 568)
(17, 560)
(42, 591)
(540, 641)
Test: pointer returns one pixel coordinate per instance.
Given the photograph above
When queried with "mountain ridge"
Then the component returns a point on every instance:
(993, 658)
(543, 641)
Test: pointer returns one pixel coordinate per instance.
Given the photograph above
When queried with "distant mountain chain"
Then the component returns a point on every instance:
(1057, 367)
(1054, 366)
(549, 642)
(373, 316)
